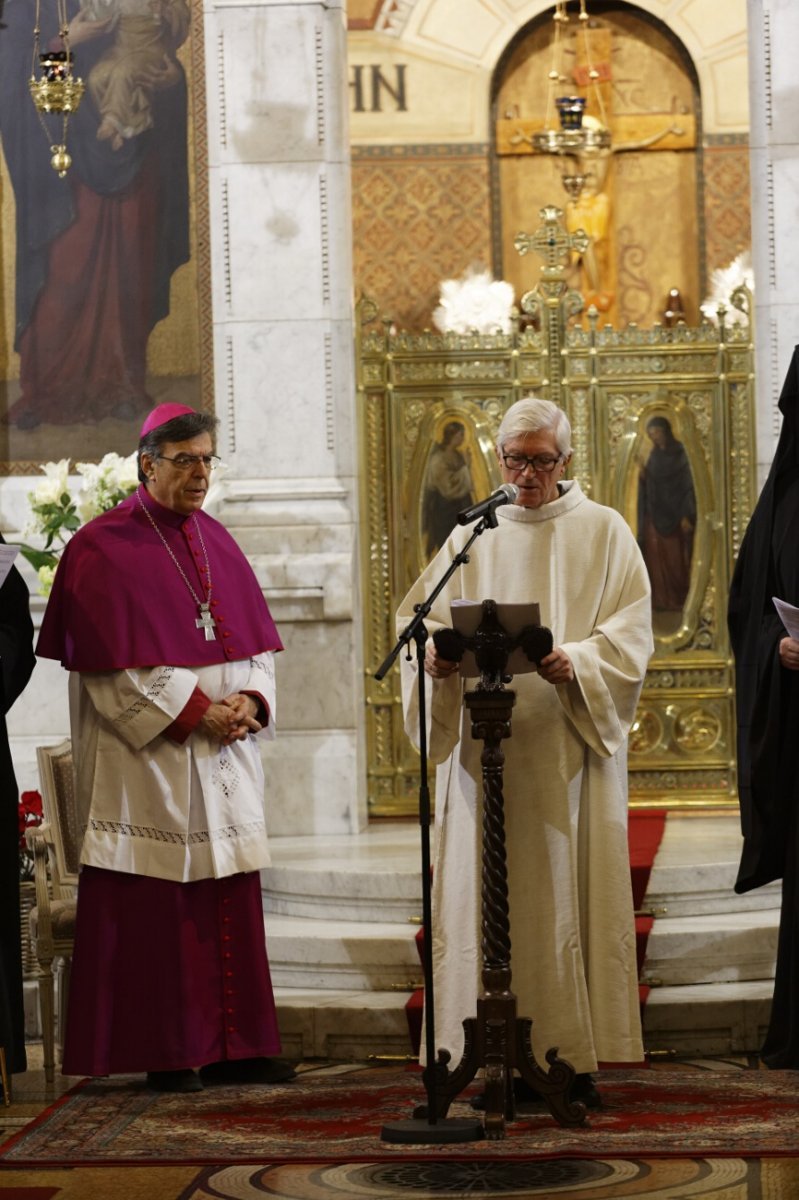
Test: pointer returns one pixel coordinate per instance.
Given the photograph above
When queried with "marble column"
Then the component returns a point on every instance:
(279, 175)
(774, 141)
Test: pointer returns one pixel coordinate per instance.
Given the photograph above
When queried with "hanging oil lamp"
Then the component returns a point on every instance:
(56, 90)
(571, 135)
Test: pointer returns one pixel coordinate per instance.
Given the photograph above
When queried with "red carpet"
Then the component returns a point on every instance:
(336, 1115)
(644, 833)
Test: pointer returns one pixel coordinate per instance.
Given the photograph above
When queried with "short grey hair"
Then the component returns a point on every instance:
(531, 415)
(180, 429)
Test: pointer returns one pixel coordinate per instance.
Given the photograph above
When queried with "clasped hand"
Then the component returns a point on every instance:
(231, 719)
(789, 653)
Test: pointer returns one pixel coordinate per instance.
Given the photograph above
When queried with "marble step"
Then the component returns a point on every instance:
(375, 956)
(371, 876)
(712, 948)
(709, 1018)
(695, 869)
(696, 1020)
(345, 1025)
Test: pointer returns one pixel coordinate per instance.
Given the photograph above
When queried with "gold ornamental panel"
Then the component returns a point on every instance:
(663, 431)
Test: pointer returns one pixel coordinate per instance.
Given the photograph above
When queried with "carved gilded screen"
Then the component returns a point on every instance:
(662, 430)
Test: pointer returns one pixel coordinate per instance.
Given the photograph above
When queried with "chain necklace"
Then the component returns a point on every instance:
(205, 621)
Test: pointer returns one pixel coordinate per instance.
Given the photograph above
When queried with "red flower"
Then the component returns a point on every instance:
(30, 813)
(31, 803)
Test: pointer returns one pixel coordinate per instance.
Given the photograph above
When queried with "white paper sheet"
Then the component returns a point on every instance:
(467, 615)
(789, 615)
(7, 556)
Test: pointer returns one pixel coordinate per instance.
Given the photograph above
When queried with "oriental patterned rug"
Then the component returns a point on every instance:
(336, 1115)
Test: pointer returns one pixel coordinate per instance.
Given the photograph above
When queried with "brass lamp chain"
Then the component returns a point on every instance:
(560, 17)
(61, 159)
(593, 74)
(36, 32)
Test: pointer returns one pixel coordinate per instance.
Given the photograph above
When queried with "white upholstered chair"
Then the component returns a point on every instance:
(56, 847)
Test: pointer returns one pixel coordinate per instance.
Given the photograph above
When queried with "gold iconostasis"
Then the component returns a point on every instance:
(662, 429)
(449, 169)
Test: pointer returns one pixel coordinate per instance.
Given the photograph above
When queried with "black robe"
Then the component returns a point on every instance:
(16, 663)
(767, 698)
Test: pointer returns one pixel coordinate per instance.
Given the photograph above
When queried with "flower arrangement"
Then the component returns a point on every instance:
(723, 282)
(56, 513)
(476, 303)
(30, 813)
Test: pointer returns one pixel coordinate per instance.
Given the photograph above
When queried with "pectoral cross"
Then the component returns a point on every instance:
(206, 621)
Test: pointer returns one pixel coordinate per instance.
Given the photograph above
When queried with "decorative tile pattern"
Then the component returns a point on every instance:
(418, 218)
(728, 228)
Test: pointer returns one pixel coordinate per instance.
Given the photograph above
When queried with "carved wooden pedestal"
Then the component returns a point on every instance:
(497, 1039)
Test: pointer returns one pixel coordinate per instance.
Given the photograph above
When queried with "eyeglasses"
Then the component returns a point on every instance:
(185, 461)
(539, 462)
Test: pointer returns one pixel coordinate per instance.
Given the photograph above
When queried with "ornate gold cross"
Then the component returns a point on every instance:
(552, 241)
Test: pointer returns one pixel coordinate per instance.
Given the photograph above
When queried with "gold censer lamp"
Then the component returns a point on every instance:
(56, 90)
(575, 134)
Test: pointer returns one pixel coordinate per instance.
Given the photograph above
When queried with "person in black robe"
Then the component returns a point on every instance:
(16, 663)
(767, 697)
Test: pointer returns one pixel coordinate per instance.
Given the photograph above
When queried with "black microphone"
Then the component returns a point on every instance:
(505, 495)
(450, 644)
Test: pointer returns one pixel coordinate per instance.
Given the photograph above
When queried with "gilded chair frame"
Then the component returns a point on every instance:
(56, 846)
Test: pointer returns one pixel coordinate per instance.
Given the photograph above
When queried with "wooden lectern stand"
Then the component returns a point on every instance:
(497, 1039)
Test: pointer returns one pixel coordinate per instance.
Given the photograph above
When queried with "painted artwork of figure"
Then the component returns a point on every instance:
(666, 517)
(97, 249)
(139, 61)
(447, 487)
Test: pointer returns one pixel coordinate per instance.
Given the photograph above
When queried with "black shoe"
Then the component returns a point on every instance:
(584, 1089)
(174, 1081)
(249, 1070)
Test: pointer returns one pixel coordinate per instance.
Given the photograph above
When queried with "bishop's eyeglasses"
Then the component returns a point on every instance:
(184, 461)
(543, 463)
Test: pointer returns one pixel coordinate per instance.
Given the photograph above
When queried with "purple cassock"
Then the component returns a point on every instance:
(167, 974)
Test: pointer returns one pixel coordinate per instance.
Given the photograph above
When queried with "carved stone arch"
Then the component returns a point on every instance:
(714, 36)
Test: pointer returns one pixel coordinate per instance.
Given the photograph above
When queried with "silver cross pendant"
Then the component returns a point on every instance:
(206, 622)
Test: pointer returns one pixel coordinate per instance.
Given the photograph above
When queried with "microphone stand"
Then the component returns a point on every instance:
(430, 1129)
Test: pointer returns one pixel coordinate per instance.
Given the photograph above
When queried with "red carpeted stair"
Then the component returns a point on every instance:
(644, 832)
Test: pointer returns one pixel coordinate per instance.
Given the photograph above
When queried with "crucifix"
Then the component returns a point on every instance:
(587, 163)
(206, 622)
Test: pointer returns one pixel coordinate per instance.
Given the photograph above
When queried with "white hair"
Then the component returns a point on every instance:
(531, 415)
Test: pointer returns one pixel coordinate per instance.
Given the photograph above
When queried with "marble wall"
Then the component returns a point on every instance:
(774, 156)
(282, 300)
